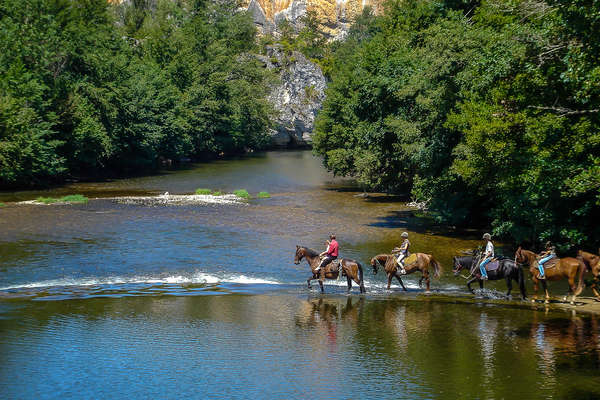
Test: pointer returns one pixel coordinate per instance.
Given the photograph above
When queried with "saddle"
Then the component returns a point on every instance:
(551, 263)
(333, 266)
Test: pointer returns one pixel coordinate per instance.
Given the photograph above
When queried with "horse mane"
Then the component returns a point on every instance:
(310, 252)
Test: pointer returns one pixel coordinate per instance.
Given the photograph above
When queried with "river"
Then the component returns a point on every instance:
(137, 294)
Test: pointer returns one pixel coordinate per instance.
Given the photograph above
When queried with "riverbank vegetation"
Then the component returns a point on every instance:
(488, 111)
(90, 89)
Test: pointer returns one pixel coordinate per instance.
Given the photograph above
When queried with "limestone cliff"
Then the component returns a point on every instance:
(297, 96)
(335, 15)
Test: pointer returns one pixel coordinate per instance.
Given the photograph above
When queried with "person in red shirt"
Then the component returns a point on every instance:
(331, 253)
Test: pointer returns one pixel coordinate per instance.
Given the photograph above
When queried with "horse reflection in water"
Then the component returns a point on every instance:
(325, 314)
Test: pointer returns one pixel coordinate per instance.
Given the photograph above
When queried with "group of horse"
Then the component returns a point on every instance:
(570, 268)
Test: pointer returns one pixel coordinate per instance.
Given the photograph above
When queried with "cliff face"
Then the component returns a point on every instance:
(335, 15)
(297, 96)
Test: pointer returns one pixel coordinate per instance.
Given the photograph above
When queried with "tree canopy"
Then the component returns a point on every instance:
(87, 88)
(488, 111)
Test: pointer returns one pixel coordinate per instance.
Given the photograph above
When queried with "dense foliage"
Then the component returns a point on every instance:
(488, 111)
(87, 88)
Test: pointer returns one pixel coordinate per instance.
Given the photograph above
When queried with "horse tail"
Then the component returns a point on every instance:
(580, 284)
(521, 280)
(437, 267)
(360, 277)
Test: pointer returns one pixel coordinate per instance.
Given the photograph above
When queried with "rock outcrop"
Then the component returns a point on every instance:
(335, 16)
(297, 96)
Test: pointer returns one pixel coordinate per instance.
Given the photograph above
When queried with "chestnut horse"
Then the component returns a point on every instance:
(567, 267)
(351, 269)
(592, 264)
(415, 262)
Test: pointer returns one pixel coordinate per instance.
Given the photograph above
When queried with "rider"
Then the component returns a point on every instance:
(330, 254)
(402, 252)
(487, 255)
(546, 255)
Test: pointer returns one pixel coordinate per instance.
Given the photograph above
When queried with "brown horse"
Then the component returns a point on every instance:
(415, 262)
(592, 264)
(351, 269)
(567, 267)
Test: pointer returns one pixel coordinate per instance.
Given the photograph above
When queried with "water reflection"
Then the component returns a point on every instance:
(285, 345)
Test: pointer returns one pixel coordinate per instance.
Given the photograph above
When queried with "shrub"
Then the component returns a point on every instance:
(264, 195)
(203, 191)
(217, 193)
(242, 193)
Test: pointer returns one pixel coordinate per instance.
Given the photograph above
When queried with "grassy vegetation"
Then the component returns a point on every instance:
(263, 195)
(217, 193)
(2, 204)
(203, 191)
(242, 193)
(46, 200)
(72, 198)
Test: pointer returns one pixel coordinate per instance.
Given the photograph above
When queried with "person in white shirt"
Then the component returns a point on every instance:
(487, 255)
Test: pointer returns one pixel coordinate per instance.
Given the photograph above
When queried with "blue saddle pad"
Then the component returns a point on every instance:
(492, 265)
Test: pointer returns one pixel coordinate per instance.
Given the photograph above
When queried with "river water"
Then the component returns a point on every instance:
(139, 294)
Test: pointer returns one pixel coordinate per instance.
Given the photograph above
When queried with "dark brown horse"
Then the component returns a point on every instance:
(415, 262)
(567, 267)
(351, 269)
(592, 264)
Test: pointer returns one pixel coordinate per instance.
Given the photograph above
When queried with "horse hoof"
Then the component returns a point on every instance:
(572, 303)
(533, 300)
(546, 301)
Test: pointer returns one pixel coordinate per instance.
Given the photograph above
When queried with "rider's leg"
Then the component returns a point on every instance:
(401, 263)
(482, 267)
(541, 265)
(324, 262)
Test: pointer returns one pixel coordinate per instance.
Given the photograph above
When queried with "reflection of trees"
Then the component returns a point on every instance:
(469, 352)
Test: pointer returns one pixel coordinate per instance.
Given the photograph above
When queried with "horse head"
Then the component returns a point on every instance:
(459, 263)
(457, 266)
(375, 265)
(519, 256)
(299, 254)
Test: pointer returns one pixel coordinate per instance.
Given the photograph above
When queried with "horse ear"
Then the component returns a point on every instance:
(297, 247)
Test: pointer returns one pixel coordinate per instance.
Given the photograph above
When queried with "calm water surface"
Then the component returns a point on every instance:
(153, 298)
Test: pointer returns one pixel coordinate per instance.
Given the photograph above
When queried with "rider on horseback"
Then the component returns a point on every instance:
(488, 255)
(330, 254)
(402, 252)
(546, 256)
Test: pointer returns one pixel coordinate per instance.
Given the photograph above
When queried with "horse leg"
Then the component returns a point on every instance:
(349, 283)
(469, 284)
(310, 278)
(545, 287)
(389, 281)
(321, 284)
(509, 286)
(594, 287)
(426, 276)
(535, 288)
(572, 290)
(400, 280)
